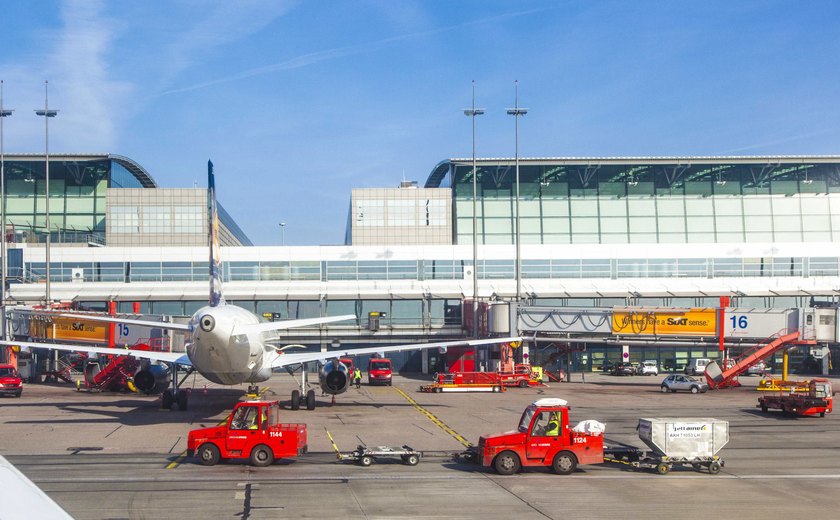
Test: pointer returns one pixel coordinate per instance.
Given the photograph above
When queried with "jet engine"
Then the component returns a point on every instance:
(153, 379)
(334, 377)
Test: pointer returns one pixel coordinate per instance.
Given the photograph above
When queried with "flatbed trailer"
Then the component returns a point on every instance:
(815, 398)
(366, 455)
(661, 464)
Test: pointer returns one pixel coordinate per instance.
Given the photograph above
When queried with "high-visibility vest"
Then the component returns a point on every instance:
(357, 374)
(553, 427)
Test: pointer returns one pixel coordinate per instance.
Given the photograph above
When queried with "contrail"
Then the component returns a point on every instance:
(339, 52)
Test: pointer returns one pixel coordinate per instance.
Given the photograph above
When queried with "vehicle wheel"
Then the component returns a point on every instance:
(714, 468)
(390, 383)
(183, 399)
(310, 400)
(822, 414)
(167, 400)
(411, 460)
(506, 463)
(523, 384)
(564, 463)
(664, 389)
(366, 460)
(663, 468)
(262, 456)
(695, 389)
(208, 454)
(18, 395)
(295, 399)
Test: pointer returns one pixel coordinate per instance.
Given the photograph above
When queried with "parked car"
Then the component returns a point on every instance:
(685, 383)
(697, 366)
(10, 383)
(623, 369)
(648, 368)
(608, 367)
(757, 370)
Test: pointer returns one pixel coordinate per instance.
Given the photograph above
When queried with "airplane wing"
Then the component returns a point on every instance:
(289, 324)
(284, 359)
(169, 357)
(114, 319)
(21, 498)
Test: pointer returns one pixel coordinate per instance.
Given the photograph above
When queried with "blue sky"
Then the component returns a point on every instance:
(298, 102)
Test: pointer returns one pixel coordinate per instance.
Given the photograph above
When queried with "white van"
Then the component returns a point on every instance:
(697, 366)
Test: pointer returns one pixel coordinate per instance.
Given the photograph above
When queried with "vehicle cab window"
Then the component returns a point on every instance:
(547, 424)
(245, 419)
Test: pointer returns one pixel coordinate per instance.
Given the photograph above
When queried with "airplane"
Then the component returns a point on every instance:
(230, 345)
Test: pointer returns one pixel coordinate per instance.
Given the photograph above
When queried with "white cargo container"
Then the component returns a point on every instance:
(684, 438)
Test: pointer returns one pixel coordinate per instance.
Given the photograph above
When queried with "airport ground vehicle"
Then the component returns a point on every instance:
(252, 431)
(673, 442)
(816, 398)
(366, 455)
(380, 371)
(677, 382)
(523, 375)
(10, 383)
(648, 368)
(536, 444)
(697, 366)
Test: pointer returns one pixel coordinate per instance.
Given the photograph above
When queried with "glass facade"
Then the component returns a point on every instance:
(76, 199)
(605, 201)
(349, 270)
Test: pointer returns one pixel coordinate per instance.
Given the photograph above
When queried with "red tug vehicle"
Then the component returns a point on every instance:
(539, 442)
(252, 431)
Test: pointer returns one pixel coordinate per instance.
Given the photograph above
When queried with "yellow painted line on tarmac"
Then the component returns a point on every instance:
(178, 460)
(437, 422)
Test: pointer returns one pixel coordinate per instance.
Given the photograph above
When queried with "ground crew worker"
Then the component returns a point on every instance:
(553, 426)
(357, 375)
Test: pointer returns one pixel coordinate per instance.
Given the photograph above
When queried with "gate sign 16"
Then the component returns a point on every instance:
(756, 323)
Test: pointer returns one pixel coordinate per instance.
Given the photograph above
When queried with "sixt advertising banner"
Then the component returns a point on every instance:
(68, 329)
(664, 322)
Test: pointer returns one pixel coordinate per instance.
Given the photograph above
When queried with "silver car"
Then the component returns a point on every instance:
(681, 382)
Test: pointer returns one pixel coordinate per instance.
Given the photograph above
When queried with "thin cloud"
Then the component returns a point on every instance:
(789, 139)
(340, 52)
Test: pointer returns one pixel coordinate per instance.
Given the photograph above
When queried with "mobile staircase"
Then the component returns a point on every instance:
(723, 378)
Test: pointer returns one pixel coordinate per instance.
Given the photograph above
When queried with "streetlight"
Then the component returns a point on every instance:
(4, 113)
(472, 112)
(517, 112)
(282, 233)
(47, 113)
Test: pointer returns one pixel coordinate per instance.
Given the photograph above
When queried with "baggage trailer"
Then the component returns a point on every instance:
(365, 455)
(813, 398)
(691, 442)
(465, 382)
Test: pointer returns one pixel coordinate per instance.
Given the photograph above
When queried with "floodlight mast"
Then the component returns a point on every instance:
(472, 112)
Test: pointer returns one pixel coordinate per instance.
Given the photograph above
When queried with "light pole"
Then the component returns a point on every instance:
(4, 113)
(472, 112)
(47, 113)
(517, 112)
(282, 233)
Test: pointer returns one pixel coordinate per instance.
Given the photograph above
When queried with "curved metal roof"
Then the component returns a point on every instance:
(138, 171)
(442, 168)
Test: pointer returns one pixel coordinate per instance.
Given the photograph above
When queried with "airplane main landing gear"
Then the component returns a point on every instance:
(298, 400)
(169, 400)
(176, 395)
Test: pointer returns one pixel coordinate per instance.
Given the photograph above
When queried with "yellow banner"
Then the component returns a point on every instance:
(661, 322)
(69, 329)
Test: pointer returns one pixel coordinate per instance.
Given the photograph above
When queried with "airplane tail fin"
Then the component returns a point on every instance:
(216, 296)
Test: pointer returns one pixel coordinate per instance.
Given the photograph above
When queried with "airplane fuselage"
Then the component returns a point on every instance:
(221, 352)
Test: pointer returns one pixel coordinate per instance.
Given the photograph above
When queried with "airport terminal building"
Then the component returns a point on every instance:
(594, 232)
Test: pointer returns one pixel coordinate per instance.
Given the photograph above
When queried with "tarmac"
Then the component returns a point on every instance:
(112, 455)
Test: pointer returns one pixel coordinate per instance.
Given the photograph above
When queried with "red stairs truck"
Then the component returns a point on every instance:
(252, 431)
(538, 442)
